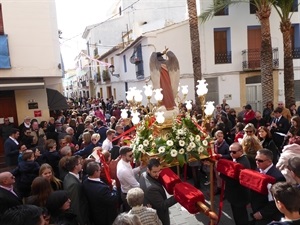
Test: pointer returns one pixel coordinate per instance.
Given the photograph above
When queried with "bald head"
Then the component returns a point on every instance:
(7, 179)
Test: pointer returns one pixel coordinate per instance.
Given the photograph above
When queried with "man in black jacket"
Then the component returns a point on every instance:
(8, 197)
(235, 193)
(155, 194)
(279, 127)
(102, 201)
(264, 210)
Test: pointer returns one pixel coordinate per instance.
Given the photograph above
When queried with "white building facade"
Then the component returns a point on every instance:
(230, 57)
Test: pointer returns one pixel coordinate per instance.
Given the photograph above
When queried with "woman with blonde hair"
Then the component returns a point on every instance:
(46, 171)
(250, 146)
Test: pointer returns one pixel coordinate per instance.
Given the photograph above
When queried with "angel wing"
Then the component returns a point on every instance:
(154, 65)
(174, 72)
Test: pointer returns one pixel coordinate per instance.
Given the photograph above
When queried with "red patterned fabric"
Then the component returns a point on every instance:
(256, 181)
(169, 179)
(188, 196)
(229, 168)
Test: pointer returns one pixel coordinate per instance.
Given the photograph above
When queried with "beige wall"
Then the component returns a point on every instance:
(256, 73)
(33, 41)
(24, 96)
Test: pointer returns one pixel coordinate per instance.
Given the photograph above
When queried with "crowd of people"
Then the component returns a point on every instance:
(77, 167)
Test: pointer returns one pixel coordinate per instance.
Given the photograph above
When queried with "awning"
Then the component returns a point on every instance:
(56, 101)
(21, 83)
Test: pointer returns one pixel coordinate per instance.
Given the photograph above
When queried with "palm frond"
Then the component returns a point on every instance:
(284, 8)
(217, 6)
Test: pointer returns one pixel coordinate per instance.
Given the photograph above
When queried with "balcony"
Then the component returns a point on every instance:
(98, 77)
(296, 53)
(222, 58)
(84, 83)
(251, 59)
(105, 76)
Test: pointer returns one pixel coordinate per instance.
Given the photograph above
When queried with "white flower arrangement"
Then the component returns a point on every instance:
(185, 140)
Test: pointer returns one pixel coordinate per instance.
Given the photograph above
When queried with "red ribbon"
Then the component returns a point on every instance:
(105, 167)
(221, 201)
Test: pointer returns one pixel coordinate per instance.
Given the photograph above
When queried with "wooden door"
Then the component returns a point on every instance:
(7, 109)
(254, 46)
(220, 44)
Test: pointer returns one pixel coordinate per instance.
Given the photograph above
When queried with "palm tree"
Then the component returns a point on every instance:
(283, 8)
(195, 45)
(263, 13)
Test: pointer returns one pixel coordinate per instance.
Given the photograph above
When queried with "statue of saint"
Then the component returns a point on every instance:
(165, 74)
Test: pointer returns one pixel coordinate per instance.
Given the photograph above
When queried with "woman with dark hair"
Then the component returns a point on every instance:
(267, 113)
(46, 171)
(239, 132)
(293, 134)
(267, 142)
(40, 191)
(293, 110)
(232, 116)
(43, 125)
(58, 205)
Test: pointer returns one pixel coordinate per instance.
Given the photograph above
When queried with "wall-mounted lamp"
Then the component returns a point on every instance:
(111, 69)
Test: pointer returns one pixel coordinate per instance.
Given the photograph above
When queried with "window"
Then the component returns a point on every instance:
(294, 6)
(295, 39)
(253, 7)
(297, 90)
(213, 91)
(222, 45)
(124, 63)
(139, 63)
(222, 12)
(1, 21)
(4, 53)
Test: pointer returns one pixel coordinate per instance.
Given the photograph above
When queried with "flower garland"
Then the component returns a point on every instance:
(181, 142)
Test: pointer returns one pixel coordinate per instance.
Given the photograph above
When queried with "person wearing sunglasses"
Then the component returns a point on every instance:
(236, 194)
(126, 174)
(265, 211)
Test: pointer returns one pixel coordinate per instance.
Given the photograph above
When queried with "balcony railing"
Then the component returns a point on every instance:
(251, 59)
(221, 58)
(296, 53)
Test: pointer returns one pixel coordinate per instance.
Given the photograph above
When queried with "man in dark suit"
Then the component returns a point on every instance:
(8, 197)
(279, 125)
(102, 201)
(235, 193)
(73, 185)
(264, 210)
(11, 148)
(155, 194)
(258, 121)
